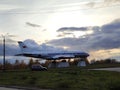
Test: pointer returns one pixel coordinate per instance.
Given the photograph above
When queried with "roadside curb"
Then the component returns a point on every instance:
(116, 69)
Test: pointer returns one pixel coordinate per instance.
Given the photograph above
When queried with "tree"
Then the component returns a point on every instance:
(36, 62)
(46, 63)
(30, 62)
(1, 66)
(8, 65)
(16, 64)
(23, 65)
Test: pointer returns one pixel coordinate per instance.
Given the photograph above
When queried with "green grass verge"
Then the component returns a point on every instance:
(63, 79)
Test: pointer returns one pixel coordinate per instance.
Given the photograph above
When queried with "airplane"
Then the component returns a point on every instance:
(49, 54)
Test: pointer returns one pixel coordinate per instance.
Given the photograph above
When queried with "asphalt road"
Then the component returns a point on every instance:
(109, 69)
(3, 88)
(19, 88)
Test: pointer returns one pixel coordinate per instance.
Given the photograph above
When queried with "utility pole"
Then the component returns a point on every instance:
(4, 60)
(4, 53)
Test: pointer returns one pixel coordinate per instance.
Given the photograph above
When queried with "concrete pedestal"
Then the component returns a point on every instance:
(63, 64)
(58, 65)
(81, 64)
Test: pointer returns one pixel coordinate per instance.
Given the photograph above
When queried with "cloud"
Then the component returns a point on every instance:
(112, 27)
(31, 43)
(90, 4)
(10, 49)
(32, 25)
(104, 3)
(71, 29)
(111, 1)
(104, 37)
(63, 34)
(13, 49)
(77, 31)
(42, 47)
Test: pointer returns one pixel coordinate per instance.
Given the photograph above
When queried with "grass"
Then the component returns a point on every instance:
(63, 79)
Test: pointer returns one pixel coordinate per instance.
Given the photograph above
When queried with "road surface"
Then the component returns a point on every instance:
(3, 88)
(19, 88)
(109, 69)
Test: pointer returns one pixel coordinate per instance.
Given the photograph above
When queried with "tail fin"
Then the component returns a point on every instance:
(24, 48)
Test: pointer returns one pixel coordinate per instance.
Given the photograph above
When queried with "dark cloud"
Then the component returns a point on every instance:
(10, 49)
(112, 27)
(32, 24)
(104, 37)
(107, 38)
(71, 29)
(95, 28)
(65, 34)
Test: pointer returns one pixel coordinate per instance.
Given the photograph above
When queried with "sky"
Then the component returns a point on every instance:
(91, 26)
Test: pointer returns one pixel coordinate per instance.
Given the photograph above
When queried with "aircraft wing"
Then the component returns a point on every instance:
(55, 56)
